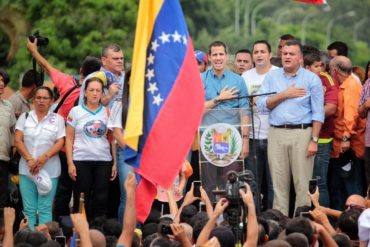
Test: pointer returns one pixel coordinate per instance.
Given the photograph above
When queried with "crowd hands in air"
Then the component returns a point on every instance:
(90, 101)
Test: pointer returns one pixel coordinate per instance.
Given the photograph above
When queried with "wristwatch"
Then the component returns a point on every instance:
(346, 139)
(216, 101)
(315, 139)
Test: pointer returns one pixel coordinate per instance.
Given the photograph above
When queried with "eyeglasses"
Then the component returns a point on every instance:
(39, 98)
(350, 206)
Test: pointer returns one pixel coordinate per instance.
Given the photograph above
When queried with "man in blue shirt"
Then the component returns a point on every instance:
(224, 90)
(296, 115)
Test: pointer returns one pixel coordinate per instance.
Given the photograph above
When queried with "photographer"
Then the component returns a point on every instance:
(69, 89)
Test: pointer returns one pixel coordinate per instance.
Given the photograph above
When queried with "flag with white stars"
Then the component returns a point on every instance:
(166, 99)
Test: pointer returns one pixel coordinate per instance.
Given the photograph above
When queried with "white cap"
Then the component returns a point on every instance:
(42, 181)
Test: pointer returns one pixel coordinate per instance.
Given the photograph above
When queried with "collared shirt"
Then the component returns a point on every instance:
(347, 121)
(39, 137)
(7, 122)
(299, 110)
(19, 103)
(213, 86)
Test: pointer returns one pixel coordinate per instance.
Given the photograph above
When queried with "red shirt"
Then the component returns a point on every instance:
(330, 97)
(64, 83)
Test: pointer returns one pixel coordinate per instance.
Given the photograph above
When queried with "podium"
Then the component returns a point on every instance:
(220, 136)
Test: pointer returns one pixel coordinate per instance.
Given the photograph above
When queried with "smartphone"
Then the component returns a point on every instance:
(196, 188)
(368, 193)
(61, 240)
(166, 229)
(305, 214)
(312, 186)
(202, 207)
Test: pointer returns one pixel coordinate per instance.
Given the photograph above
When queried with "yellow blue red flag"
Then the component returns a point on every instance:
(166, 99)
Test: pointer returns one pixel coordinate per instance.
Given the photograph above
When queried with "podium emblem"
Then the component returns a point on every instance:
(221, 144)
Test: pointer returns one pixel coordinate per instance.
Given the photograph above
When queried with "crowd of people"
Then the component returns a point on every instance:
(311, 123)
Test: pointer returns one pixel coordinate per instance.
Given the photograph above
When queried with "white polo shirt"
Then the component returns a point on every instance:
(39, 137)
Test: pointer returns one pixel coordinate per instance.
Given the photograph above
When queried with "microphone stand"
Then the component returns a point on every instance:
(250, 101)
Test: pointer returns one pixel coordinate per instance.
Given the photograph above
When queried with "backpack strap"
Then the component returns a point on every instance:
(67, 94)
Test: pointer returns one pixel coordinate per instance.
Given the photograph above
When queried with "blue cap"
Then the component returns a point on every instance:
(201, 57)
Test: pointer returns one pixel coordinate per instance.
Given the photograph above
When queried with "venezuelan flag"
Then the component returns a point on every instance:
(166, 99)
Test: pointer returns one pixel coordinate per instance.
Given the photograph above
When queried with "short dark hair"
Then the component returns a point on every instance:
(28, 79)
(302, 225)
(224, 235)
(341, 47)
(342, 240)
(294, 42)
(287, 36)
(308, 49)
(263, 42)
(309, 59)
(5, 76)
(348, 222)
(89, 65)
(297, 239)
(114, 47)
(243, 51)
(216, 43)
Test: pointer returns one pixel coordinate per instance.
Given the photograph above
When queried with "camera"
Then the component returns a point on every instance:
(41, 41)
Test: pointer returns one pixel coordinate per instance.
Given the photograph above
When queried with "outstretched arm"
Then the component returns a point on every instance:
(32, 48)
(9, 218)
(129, 224)
(219, 209)
(252, 228)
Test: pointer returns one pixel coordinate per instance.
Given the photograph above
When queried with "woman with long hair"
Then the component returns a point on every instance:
(89, 158)
(39, 136)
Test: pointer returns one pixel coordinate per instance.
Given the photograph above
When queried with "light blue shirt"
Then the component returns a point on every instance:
(300, 110)
(213, 86)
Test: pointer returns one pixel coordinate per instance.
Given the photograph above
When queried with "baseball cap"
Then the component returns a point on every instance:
(201, 56)
(42, 181)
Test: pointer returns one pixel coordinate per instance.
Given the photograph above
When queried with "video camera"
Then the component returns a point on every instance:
(235, 182)
(41, 41)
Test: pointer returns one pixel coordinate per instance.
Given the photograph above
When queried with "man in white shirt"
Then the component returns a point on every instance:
(253, 78)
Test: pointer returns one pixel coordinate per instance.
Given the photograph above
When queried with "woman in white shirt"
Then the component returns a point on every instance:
(88, 149)
(39, 136)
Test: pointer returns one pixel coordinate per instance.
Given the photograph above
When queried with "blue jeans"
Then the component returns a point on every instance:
(261, 170)
(320, 171)
(34, 203)
(340, 188)
(123, 170)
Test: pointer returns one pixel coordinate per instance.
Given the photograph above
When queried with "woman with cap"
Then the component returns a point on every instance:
(89, 158)
(39, 136)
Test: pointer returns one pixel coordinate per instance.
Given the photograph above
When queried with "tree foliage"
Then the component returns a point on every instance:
(77, 28)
